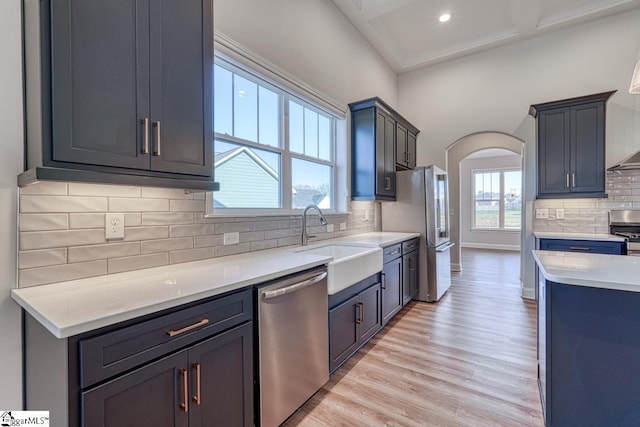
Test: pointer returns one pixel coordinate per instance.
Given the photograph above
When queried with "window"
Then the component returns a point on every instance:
(273, 150)
(497, 199)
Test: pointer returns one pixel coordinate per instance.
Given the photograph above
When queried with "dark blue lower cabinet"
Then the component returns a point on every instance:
(589, 355)
(584, 246)
(355, 316)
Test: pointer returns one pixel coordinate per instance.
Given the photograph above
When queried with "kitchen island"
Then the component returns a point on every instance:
(588, 338)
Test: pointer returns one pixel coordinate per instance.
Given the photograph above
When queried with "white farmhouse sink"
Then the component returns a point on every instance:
(350, 263)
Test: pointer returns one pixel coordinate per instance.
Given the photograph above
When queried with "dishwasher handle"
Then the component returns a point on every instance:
(292, 288)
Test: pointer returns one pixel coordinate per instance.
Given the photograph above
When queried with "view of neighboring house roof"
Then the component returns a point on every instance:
(221, 158)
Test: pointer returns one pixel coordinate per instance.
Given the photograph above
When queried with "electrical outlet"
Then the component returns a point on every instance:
(542, 213)
(343, 226)
(231, 238)
(329, 228)
(559, 213)
(114, 226)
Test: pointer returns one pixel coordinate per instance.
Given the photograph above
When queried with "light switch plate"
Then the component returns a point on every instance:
(231, 238)
(329, 228)
(559, 213)
(542, 213)
(114, 226)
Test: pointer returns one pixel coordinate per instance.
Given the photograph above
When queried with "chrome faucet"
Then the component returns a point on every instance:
(323, 221)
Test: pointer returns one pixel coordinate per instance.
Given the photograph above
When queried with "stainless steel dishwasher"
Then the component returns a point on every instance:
(293, 339)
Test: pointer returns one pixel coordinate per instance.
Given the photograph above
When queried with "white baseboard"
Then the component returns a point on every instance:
(491, 246)
(456, 266)
(527, 293)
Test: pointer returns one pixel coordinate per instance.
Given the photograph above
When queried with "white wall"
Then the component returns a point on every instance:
(489, 239)
(312, 40)
(492, 91)
(11, 147)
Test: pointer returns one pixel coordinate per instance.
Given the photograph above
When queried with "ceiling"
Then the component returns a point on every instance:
(408, 35)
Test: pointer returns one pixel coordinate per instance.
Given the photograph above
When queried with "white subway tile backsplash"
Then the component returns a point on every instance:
(42, 258)
(42, 222)
(106, 251)
(58, 239)
(46, 187)
(166, 245)
(83, 189)
(62, 230)
(187, 205)
(60, 273)
(55, 204)
(138, 205)
(168, 218)
(165, 193)
(118, 265)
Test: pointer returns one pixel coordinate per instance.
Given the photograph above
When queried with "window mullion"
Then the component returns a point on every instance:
(501, 204)
(286, 157)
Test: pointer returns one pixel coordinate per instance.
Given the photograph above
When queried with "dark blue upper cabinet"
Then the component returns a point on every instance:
(571, 147)
(124, 88)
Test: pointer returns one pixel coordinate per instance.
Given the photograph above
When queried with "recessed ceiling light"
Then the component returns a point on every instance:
(444, 17)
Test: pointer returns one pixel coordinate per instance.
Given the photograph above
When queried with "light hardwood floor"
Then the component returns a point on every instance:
(469, 360)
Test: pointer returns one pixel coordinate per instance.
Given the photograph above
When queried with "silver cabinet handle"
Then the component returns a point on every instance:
(292, 288)
(387, 183)
(173, 333)
(567, 180)
(580, 248)
(145, 138)
(156, 152)
(573, 180)
(384, 280)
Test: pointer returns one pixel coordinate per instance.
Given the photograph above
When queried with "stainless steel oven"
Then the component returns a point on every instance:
(626, 223)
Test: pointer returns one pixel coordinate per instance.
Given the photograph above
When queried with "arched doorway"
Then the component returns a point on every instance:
(455, 153)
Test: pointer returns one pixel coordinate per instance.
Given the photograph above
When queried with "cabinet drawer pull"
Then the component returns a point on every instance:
(196, 398)
(384, 280)
(573, 180)
(188, 328)
(185, 384)
(145, 138)
(358, 313)
(580, 248)
(397, 251)
(567, 180)
(387, 183)
(156, 152)
(361, 312)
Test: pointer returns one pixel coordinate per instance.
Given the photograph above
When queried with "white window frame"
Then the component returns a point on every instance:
(501, 204)
(339, 153)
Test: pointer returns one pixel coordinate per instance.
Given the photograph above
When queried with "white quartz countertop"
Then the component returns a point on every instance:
(619, 272)
(73, 307)
(378, 238)
(577, 236)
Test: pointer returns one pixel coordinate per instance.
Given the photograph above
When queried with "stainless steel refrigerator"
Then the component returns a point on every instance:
(422, 206)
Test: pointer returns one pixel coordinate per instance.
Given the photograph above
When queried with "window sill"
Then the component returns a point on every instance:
(499, 230)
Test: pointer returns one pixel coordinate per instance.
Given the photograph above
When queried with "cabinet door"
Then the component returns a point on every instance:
(100, 87)
(401, 146)
(371, 313)
(391, 289)
(149, 396)
(221, 379)
(409, 276)
(554, 151)
(385, 156)
(181, 86)
(411, 150)
(343, 333)
(587, 148)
